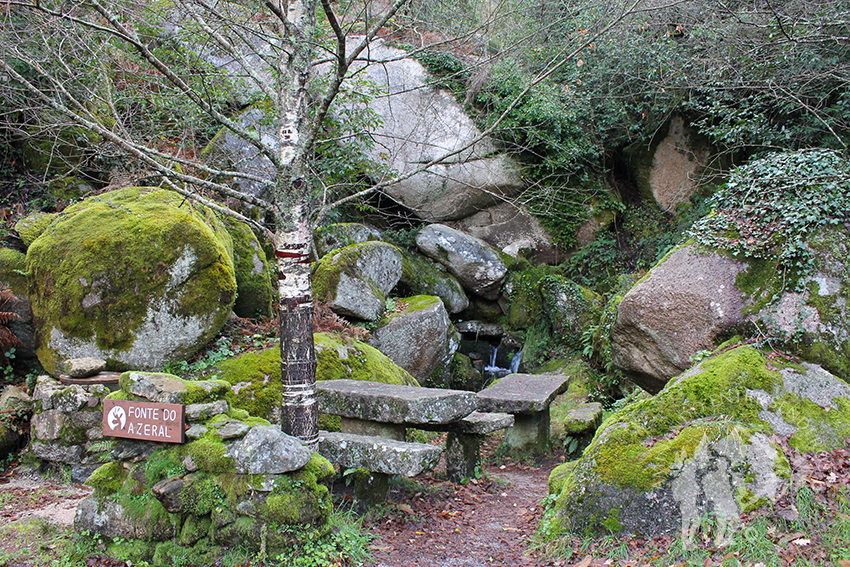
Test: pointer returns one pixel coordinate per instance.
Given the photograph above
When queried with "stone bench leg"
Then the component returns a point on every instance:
(370, 489)
(463, 455)
(528, 429)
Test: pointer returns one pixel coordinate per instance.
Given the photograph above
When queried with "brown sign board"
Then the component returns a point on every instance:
(146, 421)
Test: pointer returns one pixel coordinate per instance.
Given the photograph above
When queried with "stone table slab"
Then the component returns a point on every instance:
(389, 403)
(522, 393)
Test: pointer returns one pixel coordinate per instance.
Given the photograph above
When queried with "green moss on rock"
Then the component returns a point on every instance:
(209, 454)
(108, 478)
(13, 266)
(32, 226)
(253, 282)
(639, 449)
(172, 260)
(255, 377)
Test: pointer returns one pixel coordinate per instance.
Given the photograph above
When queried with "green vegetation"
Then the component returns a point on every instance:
(770, 207)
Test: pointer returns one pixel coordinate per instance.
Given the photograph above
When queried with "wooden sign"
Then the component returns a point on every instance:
(146, 421)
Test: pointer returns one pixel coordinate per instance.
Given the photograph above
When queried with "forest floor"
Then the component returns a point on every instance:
(484, 522)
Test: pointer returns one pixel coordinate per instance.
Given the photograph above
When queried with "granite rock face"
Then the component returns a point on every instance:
(419, 336)
(356, 280)
(476, 265)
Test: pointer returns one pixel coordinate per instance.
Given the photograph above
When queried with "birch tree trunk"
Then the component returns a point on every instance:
(299, 413)
(293, 238)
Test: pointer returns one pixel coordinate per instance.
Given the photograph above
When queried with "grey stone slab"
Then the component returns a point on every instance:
(390, 403)
(379, 455)
(233, 430)
(373, 428)
(202, 412)
(522, 393)
(480, 423)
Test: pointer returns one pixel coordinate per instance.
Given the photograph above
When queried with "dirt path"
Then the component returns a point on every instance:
(484, 523)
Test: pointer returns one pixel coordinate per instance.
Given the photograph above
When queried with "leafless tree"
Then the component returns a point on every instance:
(79, 62)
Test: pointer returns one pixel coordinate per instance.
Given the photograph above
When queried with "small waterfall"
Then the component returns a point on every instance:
(515, 362)
(498, 371)
(492, 368)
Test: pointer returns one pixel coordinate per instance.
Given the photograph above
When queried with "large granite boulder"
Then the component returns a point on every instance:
(255, 376)
(704, 446)
(686, 305)
(138, 277)
(356, 280)
(511, 229)
(420, 123)
(477, 266)
(421, 276)
(770, 261)
(417, 124)
(697, 297)
(418, 336)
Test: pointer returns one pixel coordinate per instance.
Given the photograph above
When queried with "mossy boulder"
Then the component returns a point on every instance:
(138, 277)
(253, 280)
(418, 336)
(698, 297)
(570, 307)
(421, 276)
(702, 446)
(255, 376)
(356, 280)
(32, 226)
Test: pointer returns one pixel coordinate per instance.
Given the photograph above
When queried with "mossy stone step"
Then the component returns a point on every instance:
(378, 455)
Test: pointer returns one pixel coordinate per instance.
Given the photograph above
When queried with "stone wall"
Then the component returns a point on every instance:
(238, 480)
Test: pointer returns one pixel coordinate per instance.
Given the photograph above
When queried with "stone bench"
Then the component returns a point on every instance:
(379, 415)
(527, 398)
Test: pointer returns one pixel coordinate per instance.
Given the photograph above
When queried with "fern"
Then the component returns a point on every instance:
(8, 340)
